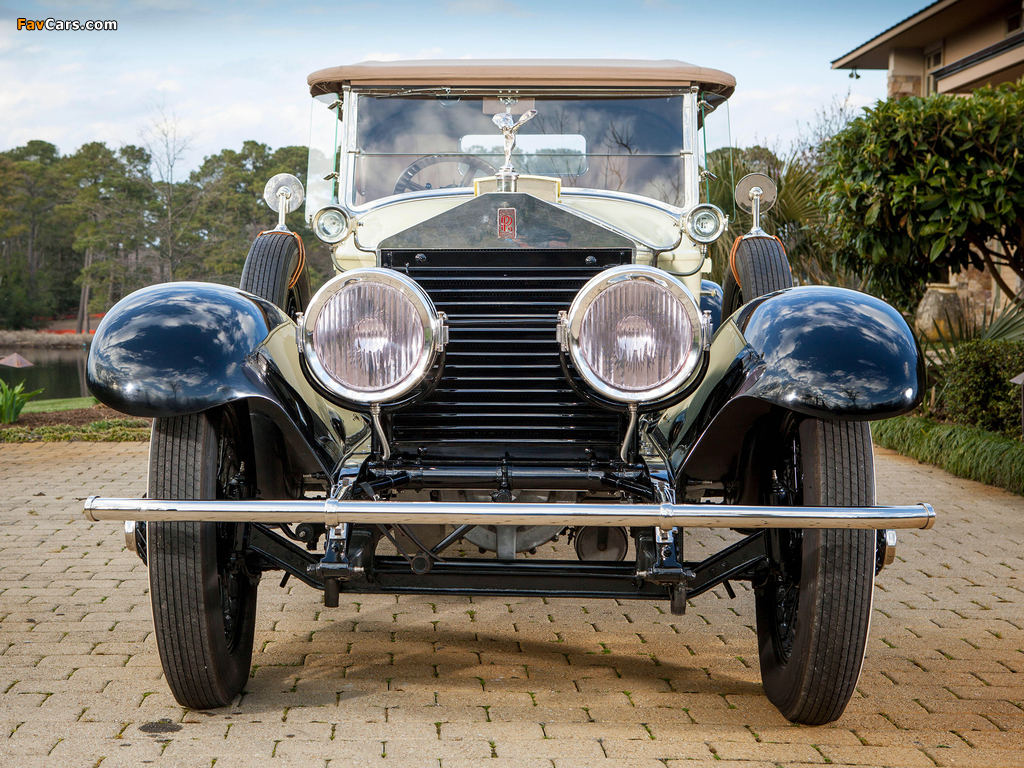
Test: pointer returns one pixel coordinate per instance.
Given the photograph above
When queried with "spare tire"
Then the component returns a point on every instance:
(757, 265)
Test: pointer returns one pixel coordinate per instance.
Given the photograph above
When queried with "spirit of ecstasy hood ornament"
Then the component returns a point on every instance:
(504, 121)
(506, 174)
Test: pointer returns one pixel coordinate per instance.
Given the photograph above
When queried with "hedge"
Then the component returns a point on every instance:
(978, 389)
(964, 451)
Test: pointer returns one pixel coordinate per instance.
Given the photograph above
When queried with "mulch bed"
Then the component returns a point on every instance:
(79, 417)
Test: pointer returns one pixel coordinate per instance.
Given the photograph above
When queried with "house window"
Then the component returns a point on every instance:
(932, 62)
(1014, 23)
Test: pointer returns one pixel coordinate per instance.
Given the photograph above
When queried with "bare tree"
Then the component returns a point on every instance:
(828, 121)
(176, 201)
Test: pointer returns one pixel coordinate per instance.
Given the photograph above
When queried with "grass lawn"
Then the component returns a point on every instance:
(67, 404)
(960, 450)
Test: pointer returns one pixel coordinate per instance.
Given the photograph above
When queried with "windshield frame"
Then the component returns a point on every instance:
(348, 148)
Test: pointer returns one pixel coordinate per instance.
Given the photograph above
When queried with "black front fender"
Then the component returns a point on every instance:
(177, 348)
(180, 348)
(833, 353)
(822, 352)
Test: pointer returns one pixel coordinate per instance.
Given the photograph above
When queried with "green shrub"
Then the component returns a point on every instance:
(12, 400)
(963, 451)
(1006, 325)
(978, 389)
(914, 187)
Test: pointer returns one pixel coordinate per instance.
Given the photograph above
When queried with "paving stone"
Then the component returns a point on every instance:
(965, 757)
(504, 682)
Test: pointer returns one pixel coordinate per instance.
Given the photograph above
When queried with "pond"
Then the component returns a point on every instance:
(60, 373)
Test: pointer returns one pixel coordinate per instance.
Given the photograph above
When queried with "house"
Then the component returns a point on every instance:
(951, 46)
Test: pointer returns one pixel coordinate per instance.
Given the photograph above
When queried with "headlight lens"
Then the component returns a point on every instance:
(705, 223)
(634, 334)
(371, 335)
(331, 225)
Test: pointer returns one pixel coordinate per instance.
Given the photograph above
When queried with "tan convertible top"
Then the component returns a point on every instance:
(572, 73)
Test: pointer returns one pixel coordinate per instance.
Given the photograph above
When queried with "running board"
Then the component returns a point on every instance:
(332, 512)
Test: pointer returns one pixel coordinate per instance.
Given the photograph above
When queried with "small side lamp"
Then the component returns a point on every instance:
(1019, 381)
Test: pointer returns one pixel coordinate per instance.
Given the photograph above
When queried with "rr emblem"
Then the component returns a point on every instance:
(506, 223)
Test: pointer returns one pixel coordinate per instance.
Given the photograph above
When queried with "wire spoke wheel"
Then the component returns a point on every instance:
(787, 594)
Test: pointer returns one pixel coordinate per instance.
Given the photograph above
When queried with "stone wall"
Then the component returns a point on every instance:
(904, 85)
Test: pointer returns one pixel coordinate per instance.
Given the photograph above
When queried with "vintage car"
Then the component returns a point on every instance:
(517, 345)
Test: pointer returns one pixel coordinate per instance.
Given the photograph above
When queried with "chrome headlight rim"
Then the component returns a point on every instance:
(331, 240)
(433, 335)
(691, 230)
(586, 297)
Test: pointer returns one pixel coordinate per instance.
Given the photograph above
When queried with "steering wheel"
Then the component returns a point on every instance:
(405, 182)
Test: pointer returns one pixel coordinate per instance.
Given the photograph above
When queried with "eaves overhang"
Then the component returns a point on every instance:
(923, 28)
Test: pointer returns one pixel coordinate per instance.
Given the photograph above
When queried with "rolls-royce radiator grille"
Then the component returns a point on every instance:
(503, 385)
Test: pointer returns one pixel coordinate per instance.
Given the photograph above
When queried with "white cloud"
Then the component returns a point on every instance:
(859, 100)
(792, 99)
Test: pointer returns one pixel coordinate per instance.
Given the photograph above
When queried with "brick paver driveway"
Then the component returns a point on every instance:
(453, 682)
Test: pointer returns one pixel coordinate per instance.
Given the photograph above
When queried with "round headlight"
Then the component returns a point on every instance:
(705, 223)
(331, 225)
(634, 334)
(371, 335)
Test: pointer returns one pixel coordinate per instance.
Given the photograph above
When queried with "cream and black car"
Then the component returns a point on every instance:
(518, 344)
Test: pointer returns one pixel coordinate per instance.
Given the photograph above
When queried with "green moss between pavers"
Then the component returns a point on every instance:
(52, 406)
(968, 452)
(109, 431)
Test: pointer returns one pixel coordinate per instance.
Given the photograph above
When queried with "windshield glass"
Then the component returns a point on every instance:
(325, 134)
(413, 143)
(714, 153)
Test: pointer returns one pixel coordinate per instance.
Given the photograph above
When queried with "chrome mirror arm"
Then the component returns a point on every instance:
(283, 196)
(756, 194)
(755, 203)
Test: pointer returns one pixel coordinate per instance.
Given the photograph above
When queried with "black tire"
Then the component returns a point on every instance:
(204, 603)
(269, 267)
(763, 267)
(813, 613)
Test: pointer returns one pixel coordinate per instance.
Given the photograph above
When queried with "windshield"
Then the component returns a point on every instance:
(326, 132)
(410, 144)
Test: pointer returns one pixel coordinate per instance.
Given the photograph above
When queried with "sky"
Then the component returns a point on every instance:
(233, 71)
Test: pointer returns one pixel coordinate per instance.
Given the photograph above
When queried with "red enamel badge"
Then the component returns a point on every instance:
(506, 223)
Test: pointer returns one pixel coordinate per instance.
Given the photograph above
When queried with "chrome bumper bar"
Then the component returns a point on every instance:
(332, 512)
